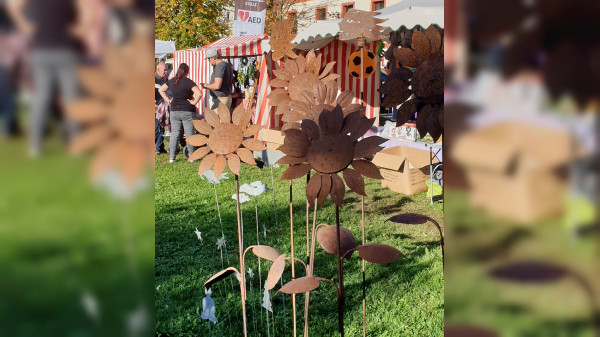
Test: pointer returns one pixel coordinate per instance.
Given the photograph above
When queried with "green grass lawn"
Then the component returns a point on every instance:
(405, 298)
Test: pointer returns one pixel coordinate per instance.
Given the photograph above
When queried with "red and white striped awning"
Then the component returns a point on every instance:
(237, 46)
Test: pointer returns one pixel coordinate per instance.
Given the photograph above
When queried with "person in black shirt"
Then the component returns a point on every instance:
(186, 95)
(160, 78)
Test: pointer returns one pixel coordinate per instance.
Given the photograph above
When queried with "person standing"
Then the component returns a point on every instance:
(160, 78)
(186, 95)
(220, 86)
(54, 58)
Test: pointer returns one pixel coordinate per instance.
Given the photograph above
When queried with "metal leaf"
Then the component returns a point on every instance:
(345, 98)
(320, 92)
(331, 122)
(307, 97)
(299, 106)
(332, 90)
(253, 144)
(330, 78)
(296, 138)
(202, 127)
(300, 285)
(207, 163)
(219, 165)
(237, 114)
(313, 63)
(327, 69)
(224, 114)
(367, 169)
(406, 111)
(433, 34)
(312, 188)
(246, 156)
(199, 153)
(293, 151)
(422, 116)
(295, 171)
(279, 83)
(275, 271)
(529, 272)
(197, 140)
(283, 74)
(252, 130)
(353, 108)
(395, 91)
(351, 122)
(338, 189)
(212, 118)
(245, 118)
(289, 160)
(409, 219)
(90, 139)
(421, 45)
(266, 252)
(233, 161)
(407, 57)
(368, 146)
(466, 331)
(327, 238)
(379, 253)
(288, 126)
(325, 188)
(292, 116)
(301, 62)
(310, 129)
(219, 276)
(363, 126)
(354, 180)
(291, 66)
(433, 124)
(277, 92)
(87, 110)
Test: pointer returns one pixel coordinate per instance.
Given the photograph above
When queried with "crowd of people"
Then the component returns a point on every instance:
(175, 101)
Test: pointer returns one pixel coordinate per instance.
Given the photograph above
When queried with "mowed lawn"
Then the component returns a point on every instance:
(405, 298)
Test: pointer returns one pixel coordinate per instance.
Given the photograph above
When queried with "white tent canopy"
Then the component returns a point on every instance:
(407, 13)
(162, 48)
(411, 13)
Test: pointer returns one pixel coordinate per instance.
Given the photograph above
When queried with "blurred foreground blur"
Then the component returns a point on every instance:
(521, 178)
(76, 200)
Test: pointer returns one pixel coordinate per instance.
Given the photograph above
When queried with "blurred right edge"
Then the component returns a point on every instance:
(521, 114)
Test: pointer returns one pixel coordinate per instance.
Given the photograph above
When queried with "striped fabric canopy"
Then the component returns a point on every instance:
(200, 68)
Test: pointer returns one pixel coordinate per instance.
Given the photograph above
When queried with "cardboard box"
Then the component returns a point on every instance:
(512, 169)
(271, 136)
(404, 169)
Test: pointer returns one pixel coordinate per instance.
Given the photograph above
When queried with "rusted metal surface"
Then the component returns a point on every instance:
(275, 271)
(266, 252)
(409, 219)
(529, 272)
(327, 238)
(379, 253)
(281, 40)
(360, 24)
(219, 276)
(301, 285)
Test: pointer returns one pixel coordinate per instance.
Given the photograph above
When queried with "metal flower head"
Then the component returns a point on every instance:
(426, 54)
(281, 40)
(222, 142)
(329, 148)
(303, 90)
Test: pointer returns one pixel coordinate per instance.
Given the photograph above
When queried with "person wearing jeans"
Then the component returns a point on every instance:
(186, 95)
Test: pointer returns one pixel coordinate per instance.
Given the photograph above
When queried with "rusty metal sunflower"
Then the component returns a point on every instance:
(302, 90)
(222, 140)
(329, 148)
(425, 52)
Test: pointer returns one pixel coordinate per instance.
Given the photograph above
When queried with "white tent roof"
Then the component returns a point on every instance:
(162, 48)
(407, 13)
(411, 13)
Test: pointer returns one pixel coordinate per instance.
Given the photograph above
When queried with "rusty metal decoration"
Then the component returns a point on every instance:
(418, 219)
(327, 238)
(455, 330)
(529, 272)
(425, 52)
(303, 285)
(330, 148)
(359, 24)
(281, 40)
(302, 89)
(222, 140)
(111, 117)
(378, 253)
(265, 252)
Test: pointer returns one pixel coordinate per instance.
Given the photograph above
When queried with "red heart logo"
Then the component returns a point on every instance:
(243, 15)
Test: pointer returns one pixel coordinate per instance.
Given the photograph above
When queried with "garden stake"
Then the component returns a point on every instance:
(258, 243)
(240, 249)
(364, 301)
(340, 274)
(307, 232)
(222, 235)
(293, 259)
(278, 247)
(310, 269)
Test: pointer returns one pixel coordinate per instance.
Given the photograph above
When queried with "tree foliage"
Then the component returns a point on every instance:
(191, 23)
